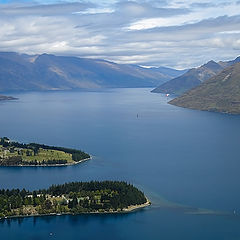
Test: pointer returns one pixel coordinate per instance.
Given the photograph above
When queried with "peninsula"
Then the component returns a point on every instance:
(33, 154)
(5, 98)
(72, 198)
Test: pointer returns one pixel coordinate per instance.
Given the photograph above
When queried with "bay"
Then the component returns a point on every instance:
(179, 157)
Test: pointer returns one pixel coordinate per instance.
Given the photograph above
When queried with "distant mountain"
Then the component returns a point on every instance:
(193, 77)
(50, 72)
(220, 93)
(173, 73)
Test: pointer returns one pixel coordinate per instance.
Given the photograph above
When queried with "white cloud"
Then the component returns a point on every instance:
(95, 11)
(196, 15)
(171, 33)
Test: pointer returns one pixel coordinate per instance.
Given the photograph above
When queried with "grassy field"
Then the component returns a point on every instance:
(42, 155)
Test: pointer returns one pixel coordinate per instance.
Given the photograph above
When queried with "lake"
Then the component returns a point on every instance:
(184, 160)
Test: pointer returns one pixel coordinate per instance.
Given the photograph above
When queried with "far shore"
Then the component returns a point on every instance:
(130, 209)
(51, 165)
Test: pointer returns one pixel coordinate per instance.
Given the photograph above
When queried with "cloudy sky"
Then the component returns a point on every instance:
(173, 33)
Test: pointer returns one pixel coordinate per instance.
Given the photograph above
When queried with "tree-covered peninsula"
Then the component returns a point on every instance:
(72, 198)
(33, 154)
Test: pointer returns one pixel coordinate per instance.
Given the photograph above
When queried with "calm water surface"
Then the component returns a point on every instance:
(190, 158)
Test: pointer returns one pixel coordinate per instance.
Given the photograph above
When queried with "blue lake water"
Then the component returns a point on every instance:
(190, 158)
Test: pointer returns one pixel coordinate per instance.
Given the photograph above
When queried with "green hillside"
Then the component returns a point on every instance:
(219, 94)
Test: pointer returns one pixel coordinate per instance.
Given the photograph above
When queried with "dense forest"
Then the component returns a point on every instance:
(15, 153)
(72, 198)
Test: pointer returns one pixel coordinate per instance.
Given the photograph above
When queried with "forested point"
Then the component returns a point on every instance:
(71, 198)
(16, 154)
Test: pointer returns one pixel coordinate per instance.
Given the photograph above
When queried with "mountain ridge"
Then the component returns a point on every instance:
(220, 93)
(193, 77)
(51, 72)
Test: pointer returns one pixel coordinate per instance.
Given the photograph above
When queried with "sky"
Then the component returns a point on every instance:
(172, 33)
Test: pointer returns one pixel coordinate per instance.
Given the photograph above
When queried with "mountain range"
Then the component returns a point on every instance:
(50, 72)
(220, 93)
(193, 77)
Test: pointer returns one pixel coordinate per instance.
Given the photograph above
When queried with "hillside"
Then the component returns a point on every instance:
(193, 77)
(221, 93)
(50, 72)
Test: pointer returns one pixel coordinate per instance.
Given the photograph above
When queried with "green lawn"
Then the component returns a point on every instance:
(43, 154)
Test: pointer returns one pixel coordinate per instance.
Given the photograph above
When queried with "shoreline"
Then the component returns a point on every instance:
(133, 208)
(52, 165)
(129, 209)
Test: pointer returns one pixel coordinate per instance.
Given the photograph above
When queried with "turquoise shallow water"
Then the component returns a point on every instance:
(190, 158)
